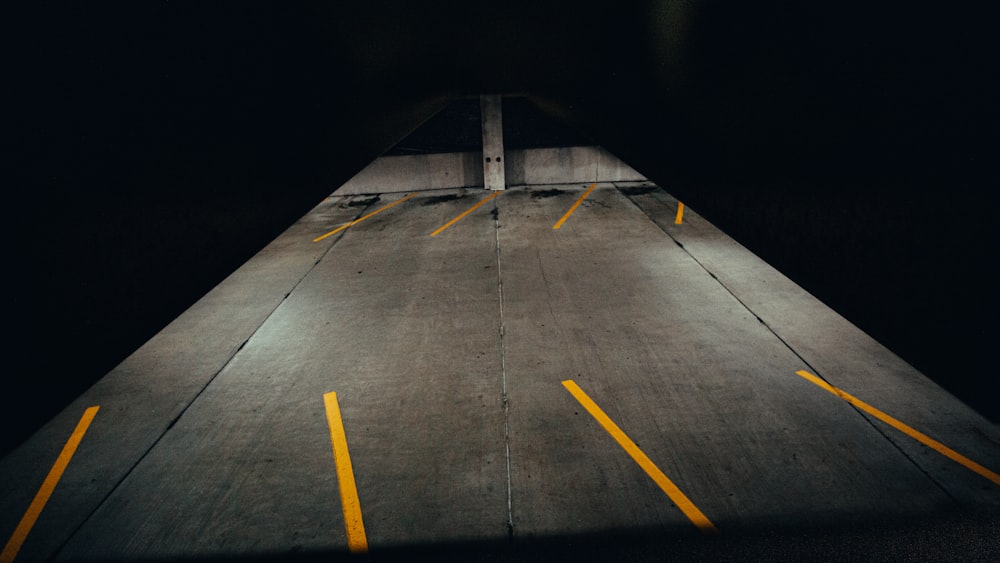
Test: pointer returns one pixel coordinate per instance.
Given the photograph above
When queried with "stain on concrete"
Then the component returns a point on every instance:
(546, 193)
(361, 202)
(638, 190)
(442, 199)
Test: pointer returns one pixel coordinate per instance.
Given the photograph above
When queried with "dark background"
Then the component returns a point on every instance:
(153, 147)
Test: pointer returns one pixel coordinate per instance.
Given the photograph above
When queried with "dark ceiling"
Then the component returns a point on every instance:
(155, 146)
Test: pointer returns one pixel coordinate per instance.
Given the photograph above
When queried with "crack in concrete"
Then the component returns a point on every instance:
(545, 281)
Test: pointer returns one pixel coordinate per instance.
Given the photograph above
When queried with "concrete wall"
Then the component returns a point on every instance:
(559, 165)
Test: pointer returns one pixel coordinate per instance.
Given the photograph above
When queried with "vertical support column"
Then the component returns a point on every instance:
(492, 117)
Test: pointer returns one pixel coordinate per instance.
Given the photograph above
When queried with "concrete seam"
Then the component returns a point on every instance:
(793, 350)
(503, 376)
(174, 421)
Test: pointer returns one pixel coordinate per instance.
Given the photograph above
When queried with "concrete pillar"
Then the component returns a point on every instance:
(493, 159)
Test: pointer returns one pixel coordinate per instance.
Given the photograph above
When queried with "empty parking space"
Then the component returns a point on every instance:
(682, 363)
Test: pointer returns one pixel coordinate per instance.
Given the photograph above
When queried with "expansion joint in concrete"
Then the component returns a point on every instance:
(503, 374)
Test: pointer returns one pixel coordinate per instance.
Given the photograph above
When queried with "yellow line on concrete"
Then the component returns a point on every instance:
(666, 485)
(356, 221)
(909, 431)
(560, 222)
(357, 541)
(48, 485)
(462, 216)
(680, 214)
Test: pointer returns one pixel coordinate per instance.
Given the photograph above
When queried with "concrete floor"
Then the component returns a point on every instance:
(448, 355)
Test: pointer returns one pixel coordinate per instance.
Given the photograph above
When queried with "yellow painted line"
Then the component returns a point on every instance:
(909, 431)
(356, 221)
(666, 485)
(462, 216)
(560, 222)
(48, 485)
(357, 542)
(680, 213)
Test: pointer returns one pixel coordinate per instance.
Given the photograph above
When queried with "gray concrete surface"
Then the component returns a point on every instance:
(558, 165)
(409, 172)
(522, 167)
(447, 354)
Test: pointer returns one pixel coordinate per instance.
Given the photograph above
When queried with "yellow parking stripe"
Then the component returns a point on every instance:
(356, 221)
(909, 431)
(462, 216)
(560, 222)
(666, 485)
(357, 541)
(42, 497)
